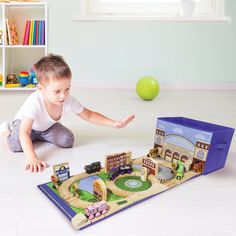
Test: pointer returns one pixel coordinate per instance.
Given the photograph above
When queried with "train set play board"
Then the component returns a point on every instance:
(183, 149)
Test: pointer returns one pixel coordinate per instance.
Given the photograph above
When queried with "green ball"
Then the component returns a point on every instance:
(147, 88)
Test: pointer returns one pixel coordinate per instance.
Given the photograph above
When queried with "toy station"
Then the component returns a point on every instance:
(183, 148)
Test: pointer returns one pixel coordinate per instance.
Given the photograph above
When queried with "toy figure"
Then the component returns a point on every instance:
(24, 78)
(180, 170)
(12, 79)
(33, 78)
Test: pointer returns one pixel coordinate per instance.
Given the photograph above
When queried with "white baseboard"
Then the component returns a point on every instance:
(163, 85)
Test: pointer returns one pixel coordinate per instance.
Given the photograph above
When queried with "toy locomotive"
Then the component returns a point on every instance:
(120, 170)
(93, 167)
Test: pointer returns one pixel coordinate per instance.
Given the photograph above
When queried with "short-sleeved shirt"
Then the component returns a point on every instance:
(35, 109)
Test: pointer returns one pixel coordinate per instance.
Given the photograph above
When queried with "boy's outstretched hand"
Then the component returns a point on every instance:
(124, 122)
(36, 165)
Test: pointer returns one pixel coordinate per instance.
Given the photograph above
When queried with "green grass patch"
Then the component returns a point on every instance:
(132, 184)
(72, 188)
(103, 176)
(86, 196)
(111, 197)
(77, 210)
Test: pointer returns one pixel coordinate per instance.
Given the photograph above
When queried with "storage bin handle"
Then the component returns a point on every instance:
(221, 146)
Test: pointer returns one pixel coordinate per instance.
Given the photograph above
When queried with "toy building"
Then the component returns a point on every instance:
(183, 148)
(115, 160)
(202, 144)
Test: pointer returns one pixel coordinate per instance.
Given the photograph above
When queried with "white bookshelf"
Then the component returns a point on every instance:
(17, 58)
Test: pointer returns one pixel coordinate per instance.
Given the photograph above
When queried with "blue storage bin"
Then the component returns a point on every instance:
(203, 143)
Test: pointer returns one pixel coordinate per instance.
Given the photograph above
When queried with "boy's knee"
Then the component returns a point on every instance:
(15, 147)
(66, 140)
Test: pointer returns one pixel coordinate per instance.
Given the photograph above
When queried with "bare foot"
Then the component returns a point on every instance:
(4, 133)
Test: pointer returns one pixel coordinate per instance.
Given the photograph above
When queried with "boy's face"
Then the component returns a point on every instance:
(57, 90)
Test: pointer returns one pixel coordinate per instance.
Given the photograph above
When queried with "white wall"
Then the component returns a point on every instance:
(116, 54)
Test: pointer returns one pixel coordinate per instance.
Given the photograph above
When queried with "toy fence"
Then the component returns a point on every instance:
(206, 142)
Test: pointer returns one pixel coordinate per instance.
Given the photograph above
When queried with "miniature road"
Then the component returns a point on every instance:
(130, 197)
(165, 173)
(68, 196)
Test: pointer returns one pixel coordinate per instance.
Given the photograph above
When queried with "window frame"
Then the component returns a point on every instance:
(95, 10)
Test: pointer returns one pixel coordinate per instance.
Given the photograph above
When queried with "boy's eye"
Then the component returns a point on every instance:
(57, 91)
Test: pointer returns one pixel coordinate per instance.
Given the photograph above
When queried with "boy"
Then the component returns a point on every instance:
(39, 117)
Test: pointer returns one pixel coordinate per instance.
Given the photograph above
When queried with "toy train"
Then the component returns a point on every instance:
(95, 210)
(153, 152)
(120, 170)
(93, 167)
(180, 170)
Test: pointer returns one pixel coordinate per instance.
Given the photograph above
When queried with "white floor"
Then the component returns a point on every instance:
(204, 206)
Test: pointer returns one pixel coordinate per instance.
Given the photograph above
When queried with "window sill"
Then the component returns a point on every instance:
(223, 19)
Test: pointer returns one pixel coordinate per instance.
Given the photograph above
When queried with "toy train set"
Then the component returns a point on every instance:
(93, 167)
(183, 149)
(120, 170)
(96, 210)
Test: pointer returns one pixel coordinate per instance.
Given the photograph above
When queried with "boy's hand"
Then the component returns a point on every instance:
(36, 165)
(124, 122)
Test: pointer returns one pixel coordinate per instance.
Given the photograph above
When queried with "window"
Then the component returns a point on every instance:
(158, 140)
(200, 155)
(209, 10)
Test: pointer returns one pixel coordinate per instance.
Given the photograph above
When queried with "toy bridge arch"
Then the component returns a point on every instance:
(168, 152)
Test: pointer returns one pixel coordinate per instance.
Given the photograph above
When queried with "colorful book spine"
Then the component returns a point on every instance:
(37, 32)
(31, 33)
(27, 33)
(43, 33)
(34, 34)
(32, 38)
(40, 31)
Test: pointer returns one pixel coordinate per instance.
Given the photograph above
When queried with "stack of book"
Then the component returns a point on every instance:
(34, 32)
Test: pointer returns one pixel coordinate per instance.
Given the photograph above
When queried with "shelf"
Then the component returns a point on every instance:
(17, 58)
(24, 46)
(19, 4)
(17, 89)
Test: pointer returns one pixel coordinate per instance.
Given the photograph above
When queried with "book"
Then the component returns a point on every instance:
(27, 31)
(43, 33)
(12, 31)
(37, 32)
(31, 33)
(6, 36)
(34, 33)
(40, 32)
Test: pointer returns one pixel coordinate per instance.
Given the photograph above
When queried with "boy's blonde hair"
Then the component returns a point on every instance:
(51, 67)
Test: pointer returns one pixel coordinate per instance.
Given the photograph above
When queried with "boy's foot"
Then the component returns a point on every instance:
(4, 126)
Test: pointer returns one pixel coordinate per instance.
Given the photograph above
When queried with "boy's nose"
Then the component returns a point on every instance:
(62, 95)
